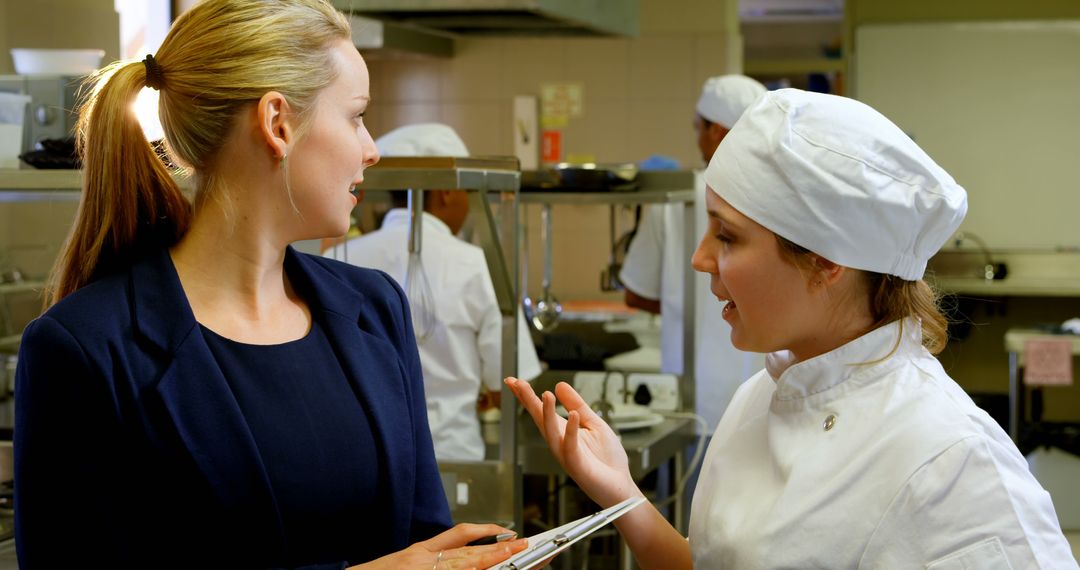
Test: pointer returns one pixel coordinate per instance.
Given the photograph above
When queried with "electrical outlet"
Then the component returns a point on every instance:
(663, 388)
(590, 385)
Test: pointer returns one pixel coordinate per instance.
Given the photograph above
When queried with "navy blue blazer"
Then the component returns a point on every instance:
(130, 450)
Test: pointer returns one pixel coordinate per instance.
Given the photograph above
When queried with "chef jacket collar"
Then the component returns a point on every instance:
(825, 377)
(400, 217)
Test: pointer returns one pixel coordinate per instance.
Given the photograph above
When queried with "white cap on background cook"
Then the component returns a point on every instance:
(725, 97)
(836, 177)
(425, 139)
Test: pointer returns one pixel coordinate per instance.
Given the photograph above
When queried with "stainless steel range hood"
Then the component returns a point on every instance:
(505, 17)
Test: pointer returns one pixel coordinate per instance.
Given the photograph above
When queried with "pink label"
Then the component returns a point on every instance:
(1048, 362)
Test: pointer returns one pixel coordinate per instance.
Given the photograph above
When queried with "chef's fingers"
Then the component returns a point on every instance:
(573, 402)
(554, 426)
(570, 437)
(525, 394)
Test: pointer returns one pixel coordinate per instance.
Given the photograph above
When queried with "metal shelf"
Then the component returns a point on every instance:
(21, 287)
(30, 185)
(654, 187)
(638, 197)
(495, 174)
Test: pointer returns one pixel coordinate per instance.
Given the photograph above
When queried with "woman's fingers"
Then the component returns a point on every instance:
(573, 401)
(570, 438)
(570, 399)
(481, 556)
(525, 394)
(553, 426)
(461, 535)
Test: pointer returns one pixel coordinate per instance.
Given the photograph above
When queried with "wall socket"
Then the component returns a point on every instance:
(663, 388)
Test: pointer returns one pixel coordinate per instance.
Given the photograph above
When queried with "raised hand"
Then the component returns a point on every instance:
(584, 444)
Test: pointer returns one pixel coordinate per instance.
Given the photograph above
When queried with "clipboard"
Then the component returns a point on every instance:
(547, 544)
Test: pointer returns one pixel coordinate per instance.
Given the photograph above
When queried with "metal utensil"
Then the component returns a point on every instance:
(417, 288)
(548, 309)
(526, 302)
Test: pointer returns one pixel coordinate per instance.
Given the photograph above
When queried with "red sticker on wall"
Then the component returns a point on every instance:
(551, 148)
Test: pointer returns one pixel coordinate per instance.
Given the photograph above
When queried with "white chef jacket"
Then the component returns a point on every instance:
(911, 474)
(653, 268)
(464, 350)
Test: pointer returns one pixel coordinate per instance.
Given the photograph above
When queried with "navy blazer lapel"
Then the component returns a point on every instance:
(197, 397)
(358, 349)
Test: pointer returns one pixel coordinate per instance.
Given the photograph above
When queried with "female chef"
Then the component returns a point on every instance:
(853, 448)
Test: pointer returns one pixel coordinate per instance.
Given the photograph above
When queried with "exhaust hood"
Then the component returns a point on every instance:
(503, 17)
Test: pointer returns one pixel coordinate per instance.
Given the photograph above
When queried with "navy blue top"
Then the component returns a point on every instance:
(123, 410)
(328, 437)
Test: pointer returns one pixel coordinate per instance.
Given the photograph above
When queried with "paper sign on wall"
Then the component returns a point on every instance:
(1048, 362)
(559, 102)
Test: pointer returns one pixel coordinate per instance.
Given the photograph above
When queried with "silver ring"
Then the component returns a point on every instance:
(437, 560)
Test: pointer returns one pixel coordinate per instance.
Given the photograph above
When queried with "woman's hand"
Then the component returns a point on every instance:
(447, 551)
(584, 445)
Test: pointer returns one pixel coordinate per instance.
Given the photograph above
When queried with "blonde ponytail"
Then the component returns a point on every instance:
(130, 203)
(218, 57)
(892, 298)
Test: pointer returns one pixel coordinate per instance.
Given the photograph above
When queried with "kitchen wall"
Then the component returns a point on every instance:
(985, 86)
(68, 24)
(639, 97)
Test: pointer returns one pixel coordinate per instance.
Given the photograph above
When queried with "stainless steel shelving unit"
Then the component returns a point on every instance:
(646, 450)
(654, 187)
(496, 483)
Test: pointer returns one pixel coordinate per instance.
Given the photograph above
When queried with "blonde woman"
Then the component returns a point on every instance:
(853, 448)
(198, 394)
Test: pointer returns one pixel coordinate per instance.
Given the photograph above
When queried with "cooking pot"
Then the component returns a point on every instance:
(582, 178)
(597, 176)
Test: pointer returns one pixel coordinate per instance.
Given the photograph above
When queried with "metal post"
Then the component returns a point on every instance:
(1014, 397)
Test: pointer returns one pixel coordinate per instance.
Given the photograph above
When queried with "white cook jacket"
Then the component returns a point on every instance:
(911, 474)
(653, 268)
(464, 350)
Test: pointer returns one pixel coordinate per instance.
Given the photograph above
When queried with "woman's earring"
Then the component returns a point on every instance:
(283, 157)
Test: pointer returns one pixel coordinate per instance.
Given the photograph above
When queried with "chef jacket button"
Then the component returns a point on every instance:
(830, 421)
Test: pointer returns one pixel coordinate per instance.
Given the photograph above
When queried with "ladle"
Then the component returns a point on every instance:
(526, 301)
(548, 309)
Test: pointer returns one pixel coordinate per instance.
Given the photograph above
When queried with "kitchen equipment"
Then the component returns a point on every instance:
(548, 309)
(598, 177)
(609, 276)
(488, 18)
(53, 105)
(589, 177)
(56, 61)
(417, 288)
(527, 304)
(12, 117)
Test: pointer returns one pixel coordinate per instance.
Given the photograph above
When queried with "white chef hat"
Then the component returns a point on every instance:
(725, 97)
(424, 139)
(836, 177)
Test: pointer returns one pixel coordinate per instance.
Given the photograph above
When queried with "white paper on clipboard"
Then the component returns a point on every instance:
(547, 544)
